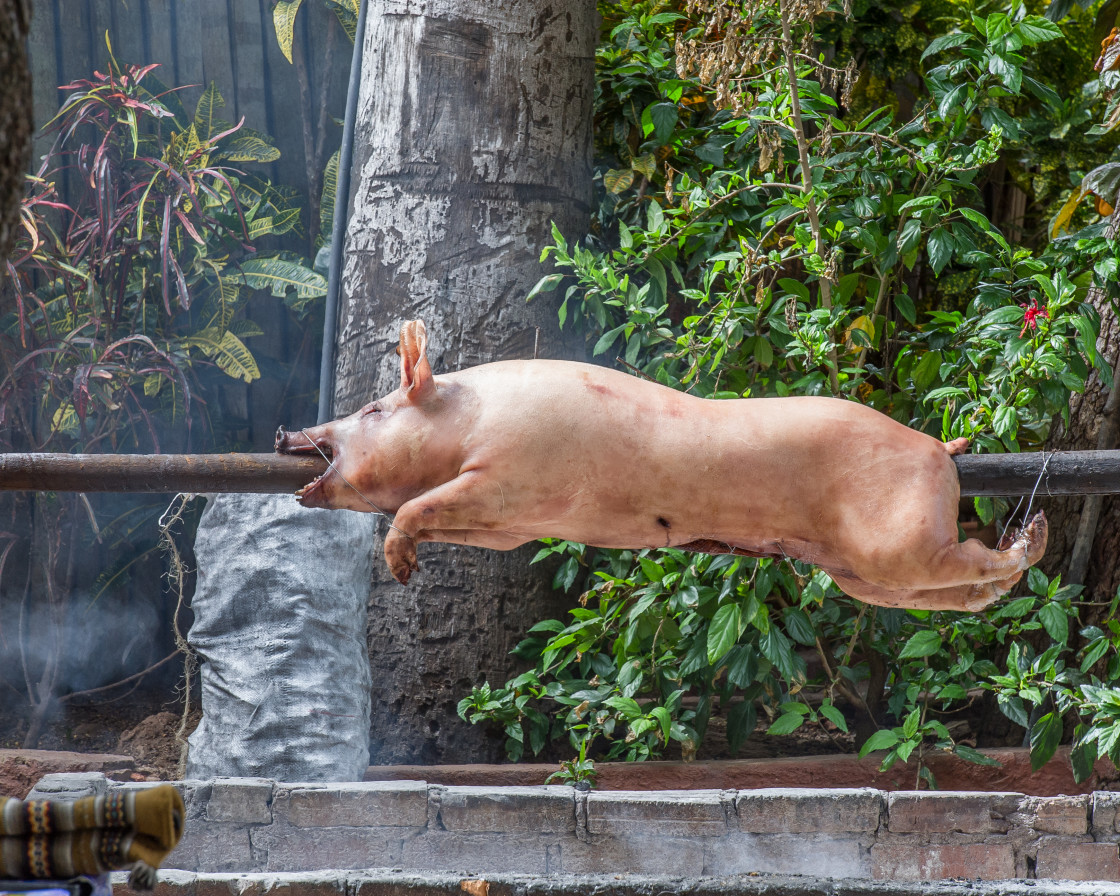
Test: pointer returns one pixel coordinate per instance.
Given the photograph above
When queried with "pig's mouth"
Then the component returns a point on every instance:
(302, 443)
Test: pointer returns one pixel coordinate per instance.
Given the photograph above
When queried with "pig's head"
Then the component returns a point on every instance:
(382, 455)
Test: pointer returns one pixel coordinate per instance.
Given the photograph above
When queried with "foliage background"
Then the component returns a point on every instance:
(122, 319)
(906, 229)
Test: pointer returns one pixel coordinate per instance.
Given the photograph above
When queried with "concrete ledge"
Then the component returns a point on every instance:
(244, 800)
(257, 826)
(521, 810)
(829, 856)
(1069, 815)
(392, 803)
(1078, 861)
(928, 812)
(379, 882)
(694, 813)
(793, 810)
(943, 861)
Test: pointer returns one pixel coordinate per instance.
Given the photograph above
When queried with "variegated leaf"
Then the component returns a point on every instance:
(279, 275)
(206, 121)
(284, 20)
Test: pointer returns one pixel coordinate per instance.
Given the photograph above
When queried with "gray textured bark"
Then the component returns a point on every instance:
(473, 135)
(15, 116)
(1102, 572)
(1086, 549)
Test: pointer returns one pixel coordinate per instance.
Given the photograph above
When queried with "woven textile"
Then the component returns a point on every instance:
(49, 839)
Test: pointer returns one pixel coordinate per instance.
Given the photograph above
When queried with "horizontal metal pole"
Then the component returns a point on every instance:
(166, 473)
(1041, 473)
(1009, 475)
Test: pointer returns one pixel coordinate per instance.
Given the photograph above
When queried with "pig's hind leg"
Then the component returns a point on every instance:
(959, 597)
(972, 562)
(965, 576)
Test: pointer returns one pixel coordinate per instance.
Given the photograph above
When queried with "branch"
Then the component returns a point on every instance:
(823, 284)
(117, 684)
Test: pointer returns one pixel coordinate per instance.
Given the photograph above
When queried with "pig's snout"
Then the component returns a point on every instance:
(302, 443)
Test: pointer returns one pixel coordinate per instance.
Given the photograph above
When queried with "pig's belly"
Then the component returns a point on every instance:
(788, 548)
(632, 523)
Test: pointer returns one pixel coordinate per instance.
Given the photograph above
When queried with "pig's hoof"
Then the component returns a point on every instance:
(402, 572)
(1033, 539)
(980, 597)
(400, 554)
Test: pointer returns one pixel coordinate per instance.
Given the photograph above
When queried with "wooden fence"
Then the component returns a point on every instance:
(231, 43)
(228, 42)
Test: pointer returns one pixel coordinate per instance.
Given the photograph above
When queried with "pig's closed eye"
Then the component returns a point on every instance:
(371, 409)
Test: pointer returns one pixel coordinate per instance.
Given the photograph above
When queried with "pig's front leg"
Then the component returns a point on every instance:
(452, 512)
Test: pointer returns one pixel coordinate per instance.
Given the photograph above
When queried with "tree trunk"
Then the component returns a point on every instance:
(1092, 424)
(473, 135)
(15, 116)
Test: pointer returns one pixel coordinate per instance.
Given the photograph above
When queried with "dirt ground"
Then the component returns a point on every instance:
(144, 732)
(150, 736)
(149, 731)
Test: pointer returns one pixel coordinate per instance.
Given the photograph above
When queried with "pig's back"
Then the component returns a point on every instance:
(603, 457)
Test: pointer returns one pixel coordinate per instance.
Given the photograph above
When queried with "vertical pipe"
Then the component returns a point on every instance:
(338, 227)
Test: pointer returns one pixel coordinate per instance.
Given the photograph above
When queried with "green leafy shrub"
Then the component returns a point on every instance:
(753, 240)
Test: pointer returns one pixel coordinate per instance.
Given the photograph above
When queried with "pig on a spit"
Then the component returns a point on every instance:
(501, 454)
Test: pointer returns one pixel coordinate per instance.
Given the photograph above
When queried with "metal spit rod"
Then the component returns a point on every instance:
(1039, 473)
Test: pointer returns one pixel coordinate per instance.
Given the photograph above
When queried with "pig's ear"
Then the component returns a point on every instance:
(416, 373)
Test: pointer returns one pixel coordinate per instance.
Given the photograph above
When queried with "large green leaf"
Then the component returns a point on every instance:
(249, 146)
(228, 352)
(284, 20)
(1045, 735)
(1036, 30)
(741, 719)
(786, 723)
(279, 275)
(662, 119)
(945, 41)
(724, 631)
(923, 643)
(224, 301)
(968, 754)
(271, 224)
(330, 189)
(830, 712)
(1083, 756)
(883, 739)
(347, 12)
(65, 419)
(245, 328)
(1055, 621)
(206, 119)
(777, 648)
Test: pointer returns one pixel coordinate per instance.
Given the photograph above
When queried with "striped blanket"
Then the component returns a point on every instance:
(49, 839)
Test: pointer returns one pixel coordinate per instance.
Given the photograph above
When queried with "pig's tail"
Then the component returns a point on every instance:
(356, 490)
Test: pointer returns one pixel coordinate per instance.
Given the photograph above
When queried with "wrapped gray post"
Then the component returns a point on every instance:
(280, 631)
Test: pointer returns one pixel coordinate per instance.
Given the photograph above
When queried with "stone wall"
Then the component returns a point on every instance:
(252, 825)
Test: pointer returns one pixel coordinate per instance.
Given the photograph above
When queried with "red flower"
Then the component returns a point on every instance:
(1031, 314)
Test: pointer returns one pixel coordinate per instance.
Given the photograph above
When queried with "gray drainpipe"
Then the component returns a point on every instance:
(338, 226)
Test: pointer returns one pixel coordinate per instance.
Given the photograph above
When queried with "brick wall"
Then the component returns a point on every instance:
(254, 825)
